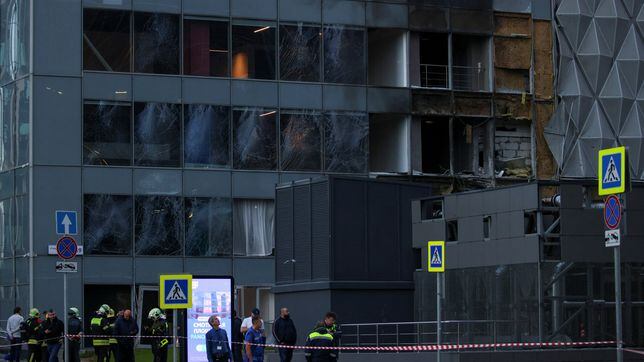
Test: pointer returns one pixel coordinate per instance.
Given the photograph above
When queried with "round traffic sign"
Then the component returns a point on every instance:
(612, 212)
(66, 247)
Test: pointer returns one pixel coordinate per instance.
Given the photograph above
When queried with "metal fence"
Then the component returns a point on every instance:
(463, 78)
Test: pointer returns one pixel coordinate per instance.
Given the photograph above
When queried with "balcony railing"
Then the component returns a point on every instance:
(463, 78)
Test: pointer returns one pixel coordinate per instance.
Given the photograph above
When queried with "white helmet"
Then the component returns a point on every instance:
(156, 313)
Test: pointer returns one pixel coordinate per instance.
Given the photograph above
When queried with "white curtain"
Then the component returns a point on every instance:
(254, 227)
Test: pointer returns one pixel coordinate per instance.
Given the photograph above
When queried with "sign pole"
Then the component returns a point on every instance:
(618, 302)
(66, 350)
(175, 319)
(438, 316)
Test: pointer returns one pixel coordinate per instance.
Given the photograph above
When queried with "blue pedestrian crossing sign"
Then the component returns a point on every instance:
(66, 222)
(175, 291)
(436, 256)
(612, 172)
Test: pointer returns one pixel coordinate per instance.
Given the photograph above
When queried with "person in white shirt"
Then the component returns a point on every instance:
(13, 330)
(247, 323)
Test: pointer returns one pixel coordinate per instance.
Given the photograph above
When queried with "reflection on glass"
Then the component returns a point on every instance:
(344, 55)
(14, 39)
(157, 131)
(21, 123)
(346, 142)
(106, 40)
(6, 239)
(254, 223)
(301, 142)
(158, 225)
(206, 136)
(156, 43)
(208, 227)
(7, 117)
(253, 51)
(300, 53)
(255, 143)
(205, 47)
(107, 224)
(106, 134)
(22, 225)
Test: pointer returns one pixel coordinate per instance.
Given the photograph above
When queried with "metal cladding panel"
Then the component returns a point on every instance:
(383, 223)
(349, 230)
(391, 305)
(320, 248)
(283, 235)
(425, 18)
(305, 307)
(472, 21)
(302, 232)
(406, 194)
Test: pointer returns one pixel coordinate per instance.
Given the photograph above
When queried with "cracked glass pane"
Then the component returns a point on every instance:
(107, 224)
(301, 141)
(346, 142)
(156, 43)
(300, 53)
(158, 225)
(7, 123)
(208, 226)
(344, 55)
(14, 39)
(157, 134)
(106, 40)
(22, 225)
(255, 140)
(205, 47)
(6, 239)
(254, 51)
(106, 134)
(21, 122)
(206, 136)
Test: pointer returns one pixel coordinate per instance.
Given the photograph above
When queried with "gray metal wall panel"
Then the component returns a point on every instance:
(320, 240)
(541, 10)
(254, 93)
(383, 238)
(426, 18)
(93, 270)
(48, 285)
(407, 194)
(515, 221)
(391, 305)
(300, 10)
(57, 121)
(572, 196)
(254, 9)
(254, 271)
(205, 90)
(501, 225)
(207, 183)
(254, 185)
(157, 6)
(470, 229)
(586, 249)
(284, 235)
(348, 228)
(290, 176)
(428, 230)
(154, 88)
(302, 233)
(209, 266)
(343, 12)
(471, 21)
(450, 207)
(388, 100)
(386, 15)
(157, 182)
(582, 222)
(148, 269)
(524, 197)
(109, 4)
(305, 308)
(107, 86)
(97, 180)
(514, 6)
(200, 7)
(57, 47)
(492, 253)
(299, 95)
(345, 98)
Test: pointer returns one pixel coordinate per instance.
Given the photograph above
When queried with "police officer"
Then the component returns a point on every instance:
(331, 326)
(113, 343)
(99, 326)
(33, 335)
(320, 337)
(159, 332)
(74, 331)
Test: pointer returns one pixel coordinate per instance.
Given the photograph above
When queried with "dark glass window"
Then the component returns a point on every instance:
(346, 142)
(208, 227)
(253, 51)
(255, 139)
(205, 47)
(301, 142)
(106, 40)
(157, 134)
(254, 223)
(300, 53)
(106, 134)
(206, 136)
(107, 224)
(158, 225)
(7, 124)
(156, 43)
(344, 55)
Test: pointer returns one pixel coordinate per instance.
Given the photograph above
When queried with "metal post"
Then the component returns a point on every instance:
(618, 302)
(66, 322)
(438, 316)
(175, 342)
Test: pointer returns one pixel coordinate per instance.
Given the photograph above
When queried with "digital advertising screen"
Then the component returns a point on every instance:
(210, 296)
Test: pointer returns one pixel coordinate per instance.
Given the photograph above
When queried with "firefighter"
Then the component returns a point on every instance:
(74, 333)
(159, 332)
(33, 334)
(113, 343)
(99, 327)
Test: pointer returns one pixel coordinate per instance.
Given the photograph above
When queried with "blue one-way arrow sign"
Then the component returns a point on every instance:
(66, 222)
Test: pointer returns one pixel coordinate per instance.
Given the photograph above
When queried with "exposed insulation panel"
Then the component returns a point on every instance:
(512, 80)
(513, 106)
(511, 25)
(426, 103)
(544, 82)
(546, 165)
(472, 105)
(512, 53)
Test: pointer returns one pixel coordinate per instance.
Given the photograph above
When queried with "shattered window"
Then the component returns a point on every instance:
(253, 51)
(346, 142)
(157, 134)
(254, 139)
(512, 148)
(205, 47)
(301, 141)
(208, 227)
(7, 117)
(471, 145)
(106, 133)
(344, 55)
(300, 53)
(156, 43)
(15, 31)
(254, 224)
(106, 40)
(107, 224)
(158, 225)
(206, 136)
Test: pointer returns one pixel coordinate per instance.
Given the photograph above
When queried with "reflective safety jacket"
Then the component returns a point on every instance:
(319, 339)
(110, 329)
(159, 330)
(100, 326)
(33, 330)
